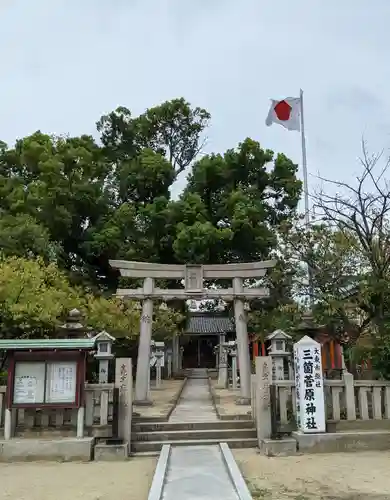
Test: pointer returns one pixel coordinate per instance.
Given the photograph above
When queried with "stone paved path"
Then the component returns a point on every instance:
(195, 403)
(197, 473)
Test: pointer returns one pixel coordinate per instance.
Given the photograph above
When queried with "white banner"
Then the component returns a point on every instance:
(309, 386)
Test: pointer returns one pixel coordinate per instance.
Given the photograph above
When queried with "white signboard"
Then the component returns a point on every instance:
(309, 386)
(29, 382)
(61, 382)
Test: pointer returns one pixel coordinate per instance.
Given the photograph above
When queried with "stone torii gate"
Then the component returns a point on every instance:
(193, 276)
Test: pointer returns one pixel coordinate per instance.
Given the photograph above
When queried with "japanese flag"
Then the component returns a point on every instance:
(286, 112)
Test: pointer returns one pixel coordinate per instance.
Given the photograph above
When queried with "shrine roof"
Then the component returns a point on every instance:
(208, 324)
(46, 344)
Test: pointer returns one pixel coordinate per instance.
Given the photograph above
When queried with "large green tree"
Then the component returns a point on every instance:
(58, 188)
(233, 204)
(83, 203)
(35, 298)
(22, 235)
(174, 129)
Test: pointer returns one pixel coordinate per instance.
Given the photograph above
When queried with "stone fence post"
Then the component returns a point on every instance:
(124, 382)
(263, 398)
(349, 395)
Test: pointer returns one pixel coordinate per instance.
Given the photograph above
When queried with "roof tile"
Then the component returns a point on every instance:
(209, 323)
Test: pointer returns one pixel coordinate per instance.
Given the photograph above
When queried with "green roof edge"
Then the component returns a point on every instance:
(66, 344)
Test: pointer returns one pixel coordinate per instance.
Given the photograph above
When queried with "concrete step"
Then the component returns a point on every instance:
(143, 446)
(189, 426)
(217, 434)
(196, 373)
(141, 454)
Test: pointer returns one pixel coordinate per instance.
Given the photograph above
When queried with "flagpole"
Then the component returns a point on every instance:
(306, 193)
(304, 164)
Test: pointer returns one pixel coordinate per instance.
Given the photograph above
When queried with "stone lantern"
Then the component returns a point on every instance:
(308, 326)
(231, 349)
(279, 353)
(159, 355)
(169, 362)
(103, 354)
(73, 327)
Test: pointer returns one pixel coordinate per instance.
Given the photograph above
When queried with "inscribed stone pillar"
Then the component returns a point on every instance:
(158, 369)
(242, 344)
(233, 354)
(141, 383)
(124, 382)
(223, 364)
(169, 365)
(175, 354)
(149, 377)
(263, 398)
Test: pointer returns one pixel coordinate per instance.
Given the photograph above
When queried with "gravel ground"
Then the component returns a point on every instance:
(75, 481)
(341, 476)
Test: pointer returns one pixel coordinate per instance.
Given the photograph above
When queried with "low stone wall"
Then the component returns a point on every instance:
(44, 423)
(346, 400)
(61, 450)
(342, 441)
(357, 415)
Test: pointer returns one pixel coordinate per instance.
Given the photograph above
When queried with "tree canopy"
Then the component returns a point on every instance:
(84, 202)
(70, 204)
(35, 299)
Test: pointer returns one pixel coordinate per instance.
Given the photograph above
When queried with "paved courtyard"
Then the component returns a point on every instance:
(341, 476)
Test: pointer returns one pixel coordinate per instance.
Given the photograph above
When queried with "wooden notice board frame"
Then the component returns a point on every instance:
(47, 358)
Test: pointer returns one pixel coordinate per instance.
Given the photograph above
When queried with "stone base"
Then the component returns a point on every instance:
(243, 401)
(362, 425)
(331, 426)
(279, 447)
(111, 452)
(60, 450)
(342, 441)
(228, 416)
(143, 402)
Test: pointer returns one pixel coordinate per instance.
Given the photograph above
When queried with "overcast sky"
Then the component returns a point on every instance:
(66, 62)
